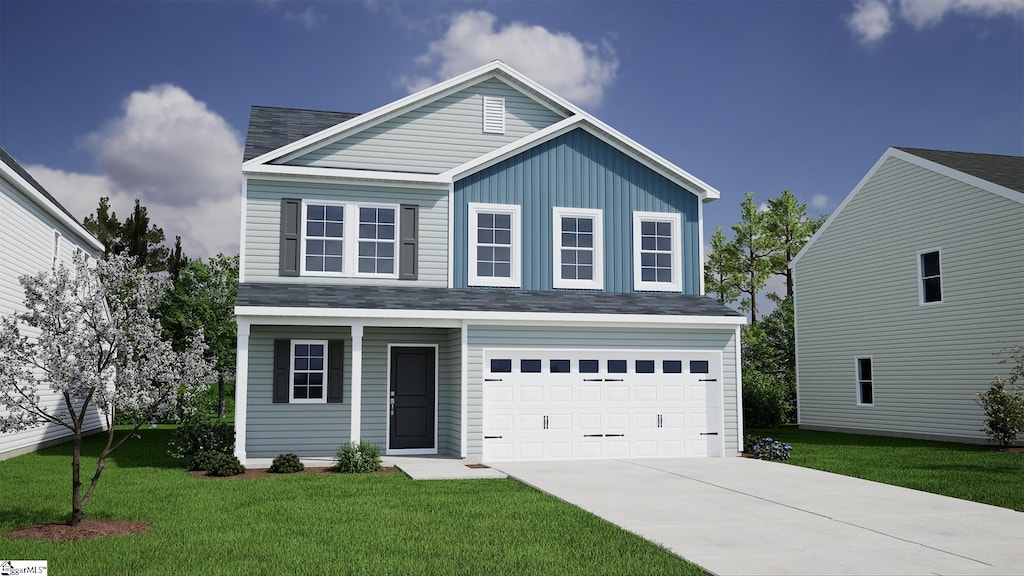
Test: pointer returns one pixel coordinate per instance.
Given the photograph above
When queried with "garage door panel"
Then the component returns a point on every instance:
(616, 422)
(617, 393)
(645, 393)
(560, 393)
(592, 421)
(531, 393)
(589, 393)
(674, 392)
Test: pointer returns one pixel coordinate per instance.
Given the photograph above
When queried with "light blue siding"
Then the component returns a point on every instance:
(436, 136)
(577, 170)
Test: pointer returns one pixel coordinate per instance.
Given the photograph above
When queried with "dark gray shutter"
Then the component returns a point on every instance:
(335, 369)
(282, 370)
(408, 237)
(291, 225)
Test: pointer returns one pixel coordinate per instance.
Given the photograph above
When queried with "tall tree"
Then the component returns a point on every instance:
(203, 298)
(144, 241)
(721, 275)
(755, 248)
(99, 348)
(789, 228)
(177, 260)
(105, 226)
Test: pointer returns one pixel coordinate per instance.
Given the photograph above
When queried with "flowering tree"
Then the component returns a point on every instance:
(93, 339)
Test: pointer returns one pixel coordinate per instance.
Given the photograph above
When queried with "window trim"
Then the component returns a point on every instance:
(516, 252)
(675, 219)
(350, 239)
(858, 380)
(921, 278)
(55, 256)
(291, 373)
(597, 215)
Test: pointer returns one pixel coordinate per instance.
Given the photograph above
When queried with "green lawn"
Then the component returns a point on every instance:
(309, 524)
(965, 471)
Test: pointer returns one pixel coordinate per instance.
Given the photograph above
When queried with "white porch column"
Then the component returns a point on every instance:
(357, 381)
(465, 389)
(241, 387)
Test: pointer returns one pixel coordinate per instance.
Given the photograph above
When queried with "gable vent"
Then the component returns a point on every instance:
(494, 115)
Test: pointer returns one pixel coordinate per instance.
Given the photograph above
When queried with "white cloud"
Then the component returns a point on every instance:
(579, 71)
(871, 20)
(181, 160)
(308, 17)
(819, 201)
(762, 207)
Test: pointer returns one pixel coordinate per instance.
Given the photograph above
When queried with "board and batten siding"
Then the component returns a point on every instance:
(857, 295)
(586, 338)
(577, 170)
(262, 247)
(436, 136)
(26, 247)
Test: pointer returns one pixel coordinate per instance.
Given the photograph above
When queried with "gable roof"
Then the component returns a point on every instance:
(271, 127)
(1007, 171)
(261, 163)
(35, 191)
(998, 174)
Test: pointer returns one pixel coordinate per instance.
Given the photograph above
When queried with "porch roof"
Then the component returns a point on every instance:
(279, 295)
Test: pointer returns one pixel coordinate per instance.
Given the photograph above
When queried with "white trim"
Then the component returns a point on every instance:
(921, 279)
(464, 377)
(356, 396)
(49, 206)
(244, 206)
(493, 115)
(55, 253)
(368, 177)
(449, 253)
(992, 187)
(516, 251)
(673, 218)
(241, 386)
(291, 372)
(597, 250)
(700, 246)
(739, 390)
(350, 239)
(387, 401)
(858, 379)
(346, 260)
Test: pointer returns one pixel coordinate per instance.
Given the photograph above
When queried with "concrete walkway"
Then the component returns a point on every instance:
(745, 516)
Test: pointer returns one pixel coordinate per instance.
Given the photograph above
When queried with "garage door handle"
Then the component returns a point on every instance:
(613, 435)
(491, 437)
(709, 433)
(593, 379)
(492, 379)
(613, 379)
(708, 380)
(593, 435)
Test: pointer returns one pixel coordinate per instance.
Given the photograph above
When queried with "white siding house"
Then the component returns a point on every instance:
(36, 233)
(906, 293)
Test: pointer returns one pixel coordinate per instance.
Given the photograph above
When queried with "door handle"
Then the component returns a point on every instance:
(392, 404)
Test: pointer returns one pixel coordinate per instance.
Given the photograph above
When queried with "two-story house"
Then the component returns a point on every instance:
(481, 270)
(907, 293)
(36, 235)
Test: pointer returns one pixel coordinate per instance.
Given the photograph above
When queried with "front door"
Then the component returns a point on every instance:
(412, 398)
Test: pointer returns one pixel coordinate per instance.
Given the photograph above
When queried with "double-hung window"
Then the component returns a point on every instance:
(929, 270)
(657, 259)
(578, 257)
(865, 382)
(308, 371)
(495, 248)
(348, 239)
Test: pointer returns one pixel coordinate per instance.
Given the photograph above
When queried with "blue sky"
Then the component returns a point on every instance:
(150, 100)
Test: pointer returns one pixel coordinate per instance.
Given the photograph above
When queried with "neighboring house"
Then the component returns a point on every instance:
(480, 270)
(906, 293)
(36, 234)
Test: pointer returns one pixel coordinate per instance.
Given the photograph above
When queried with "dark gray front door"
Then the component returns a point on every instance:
(412, 398)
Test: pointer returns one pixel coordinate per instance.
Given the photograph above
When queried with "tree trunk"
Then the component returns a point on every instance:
(76, 482)
(220, 394)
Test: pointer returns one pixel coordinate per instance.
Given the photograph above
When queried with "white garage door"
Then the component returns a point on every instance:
(547, 404)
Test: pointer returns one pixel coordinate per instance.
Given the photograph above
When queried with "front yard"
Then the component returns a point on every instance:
(964, 471)
(308, 524)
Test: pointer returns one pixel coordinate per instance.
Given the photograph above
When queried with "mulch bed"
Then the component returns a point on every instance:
(87, 529)
(264, 473)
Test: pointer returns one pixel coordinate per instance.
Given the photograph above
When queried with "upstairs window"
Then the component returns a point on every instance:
(930, 272)
(578, 256)
(377, 241)
(865, 383)
(334, 244)
(656, 252)
(494, 245)
(494, 115)
(325, 238)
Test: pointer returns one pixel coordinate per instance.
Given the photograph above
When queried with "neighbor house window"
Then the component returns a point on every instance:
(335, 244)
(309, 371)
(865, 382)
(656, 252)
(56, 249)
(494, 245)
(930, 271)
(577, 245)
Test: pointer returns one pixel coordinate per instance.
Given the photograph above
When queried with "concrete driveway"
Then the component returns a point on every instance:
(745, 516)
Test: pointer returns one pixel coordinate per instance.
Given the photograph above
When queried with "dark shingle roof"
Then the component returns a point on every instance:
(477, 300)
(1006, 171)
(10, 161)
(271, 128)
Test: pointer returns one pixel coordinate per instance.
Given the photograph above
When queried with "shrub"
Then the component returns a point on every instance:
(767, 448)
(766, 400)
(224, 465)
(198, 434)
(354, 458)
(204, 460)
(286, 464)
(1004, 411)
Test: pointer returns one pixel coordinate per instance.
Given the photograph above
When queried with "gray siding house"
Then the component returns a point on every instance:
(480, 270)
(905, 293)
(36, 234)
